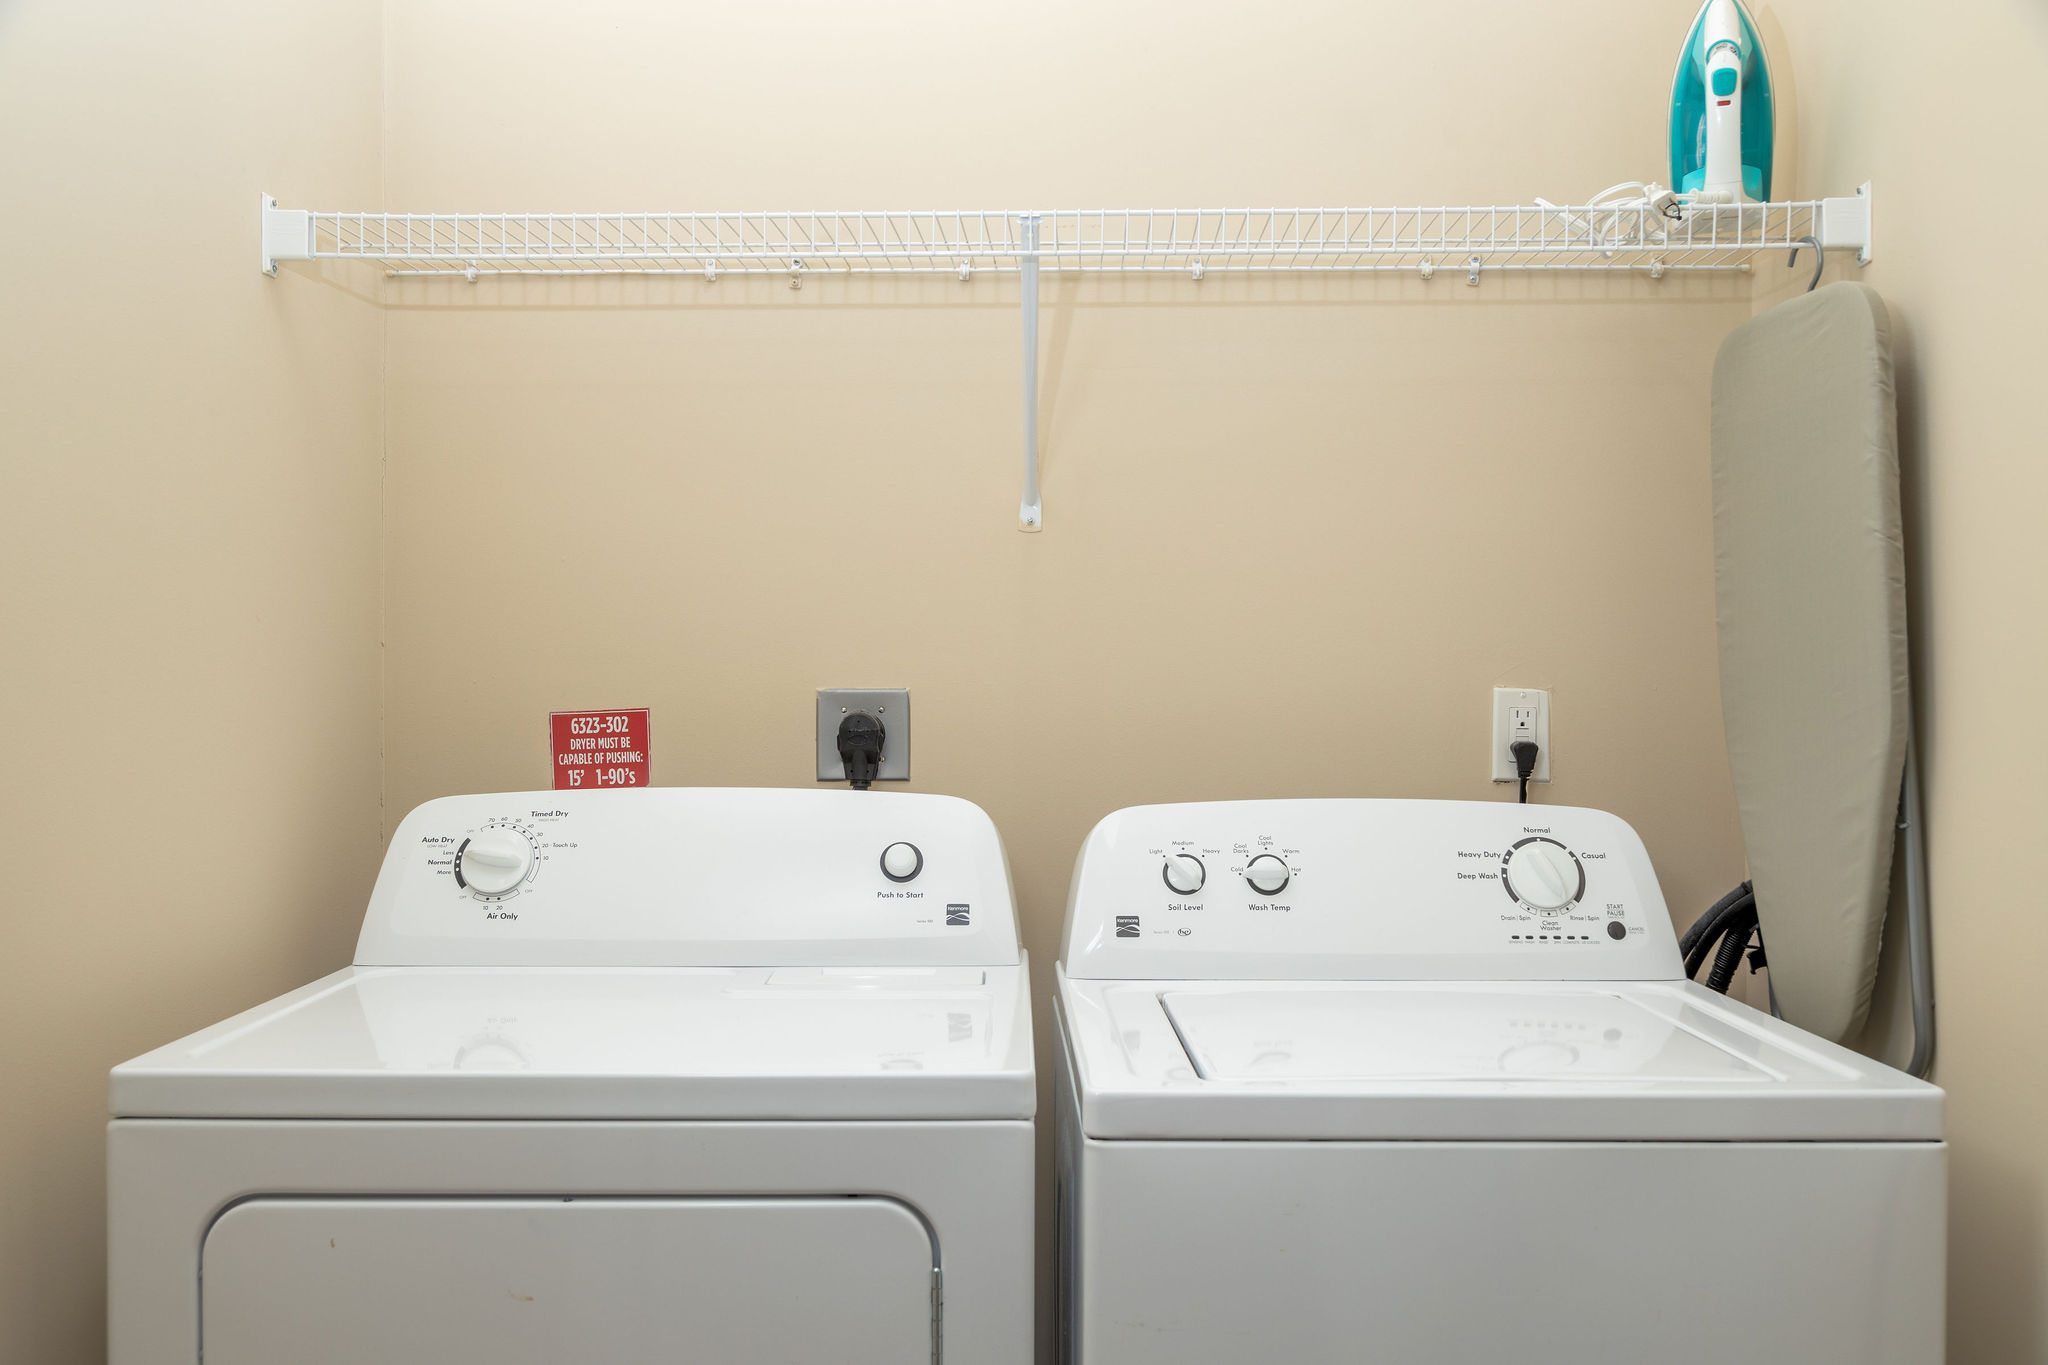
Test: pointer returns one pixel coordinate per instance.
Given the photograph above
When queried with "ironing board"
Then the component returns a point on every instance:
(1810, 594)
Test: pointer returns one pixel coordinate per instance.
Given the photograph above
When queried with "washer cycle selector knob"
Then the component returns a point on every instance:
(1268, 874)
(1543, 874)
(493, 861)
(902, 862)
(1184, 873)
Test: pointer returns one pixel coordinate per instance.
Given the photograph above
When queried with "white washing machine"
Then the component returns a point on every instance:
(616, 1077)
(1421, 1081)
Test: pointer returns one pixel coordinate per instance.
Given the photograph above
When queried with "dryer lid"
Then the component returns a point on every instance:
(1467, 1061)
(620, 1043)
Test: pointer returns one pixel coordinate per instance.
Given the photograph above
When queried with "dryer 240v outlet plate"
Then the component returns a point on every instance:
(890, 705)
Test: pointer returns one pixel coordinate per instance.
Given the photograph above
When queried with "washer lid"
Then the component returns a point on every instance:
(1467, 1061)
(621, 1043)
(1352, 1036)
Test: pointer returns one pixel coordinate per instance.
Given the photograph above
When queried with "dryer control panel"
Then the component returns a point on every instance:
(684, 876)
(1337, 889)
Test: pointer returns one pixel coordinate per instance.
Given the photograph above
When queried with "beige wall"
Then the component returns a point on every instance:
(189, 469)
(1939, 106)
(1294, 534)
(1281, 506)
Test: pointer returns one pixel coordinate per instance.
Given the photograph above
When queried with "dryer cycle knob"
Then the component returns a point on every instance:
(1544, 875)
(1268, 874)
(493, 861)
(1184, 873)
(902, 862)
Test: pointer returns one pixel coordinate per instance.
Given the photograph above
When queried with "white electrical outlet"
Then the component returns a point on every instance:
(1520, 713)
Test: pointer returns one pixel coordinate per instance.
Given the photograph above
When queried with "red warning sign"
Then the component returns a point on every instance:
(599, 748)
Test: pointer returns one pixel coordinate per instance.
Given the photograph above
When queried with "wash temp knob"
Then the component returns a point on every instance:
(1184, 873)
(902, 862)
(1267, 874)
(493, 861)
(1543, 875)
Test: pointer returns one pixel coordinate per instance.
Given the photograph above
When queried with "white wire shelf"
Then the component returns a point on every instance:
(1473, 240)
(1193, 242)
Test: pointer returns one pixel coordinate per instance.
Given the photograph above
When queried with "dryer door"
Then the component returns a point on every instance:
(539, 1281)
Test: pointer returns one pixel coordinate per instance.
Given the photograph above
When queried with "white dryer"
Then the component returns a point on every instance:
(1419, 1081)
(616, 1077)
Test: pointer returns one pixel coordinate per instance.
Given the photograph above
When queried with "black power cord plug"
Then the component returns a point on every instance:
(861, 737)
(1524, 751)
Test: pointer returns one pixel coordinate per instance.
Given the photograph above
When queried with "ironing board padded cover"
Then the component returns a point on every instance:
(1809, 578)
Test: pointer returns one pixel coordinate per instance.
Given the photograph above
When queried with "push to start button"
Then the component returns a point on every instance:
(902, 862)
(1616, 929)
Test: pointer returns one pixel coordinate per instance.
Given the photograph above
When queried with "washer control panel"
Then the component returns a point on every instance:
(692, 876)
(1367, 889)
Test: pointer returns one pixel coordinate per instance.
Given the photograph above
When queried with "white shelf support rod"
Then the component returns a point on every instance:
(287, 234)
(1030, 511)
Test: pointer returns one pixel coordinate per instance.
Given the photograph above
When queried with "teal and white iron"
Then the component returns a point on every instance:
(1721, 120)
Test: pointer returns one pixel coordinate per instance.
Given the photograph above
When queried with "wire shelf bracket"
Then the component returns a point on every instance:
(1474, 240)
